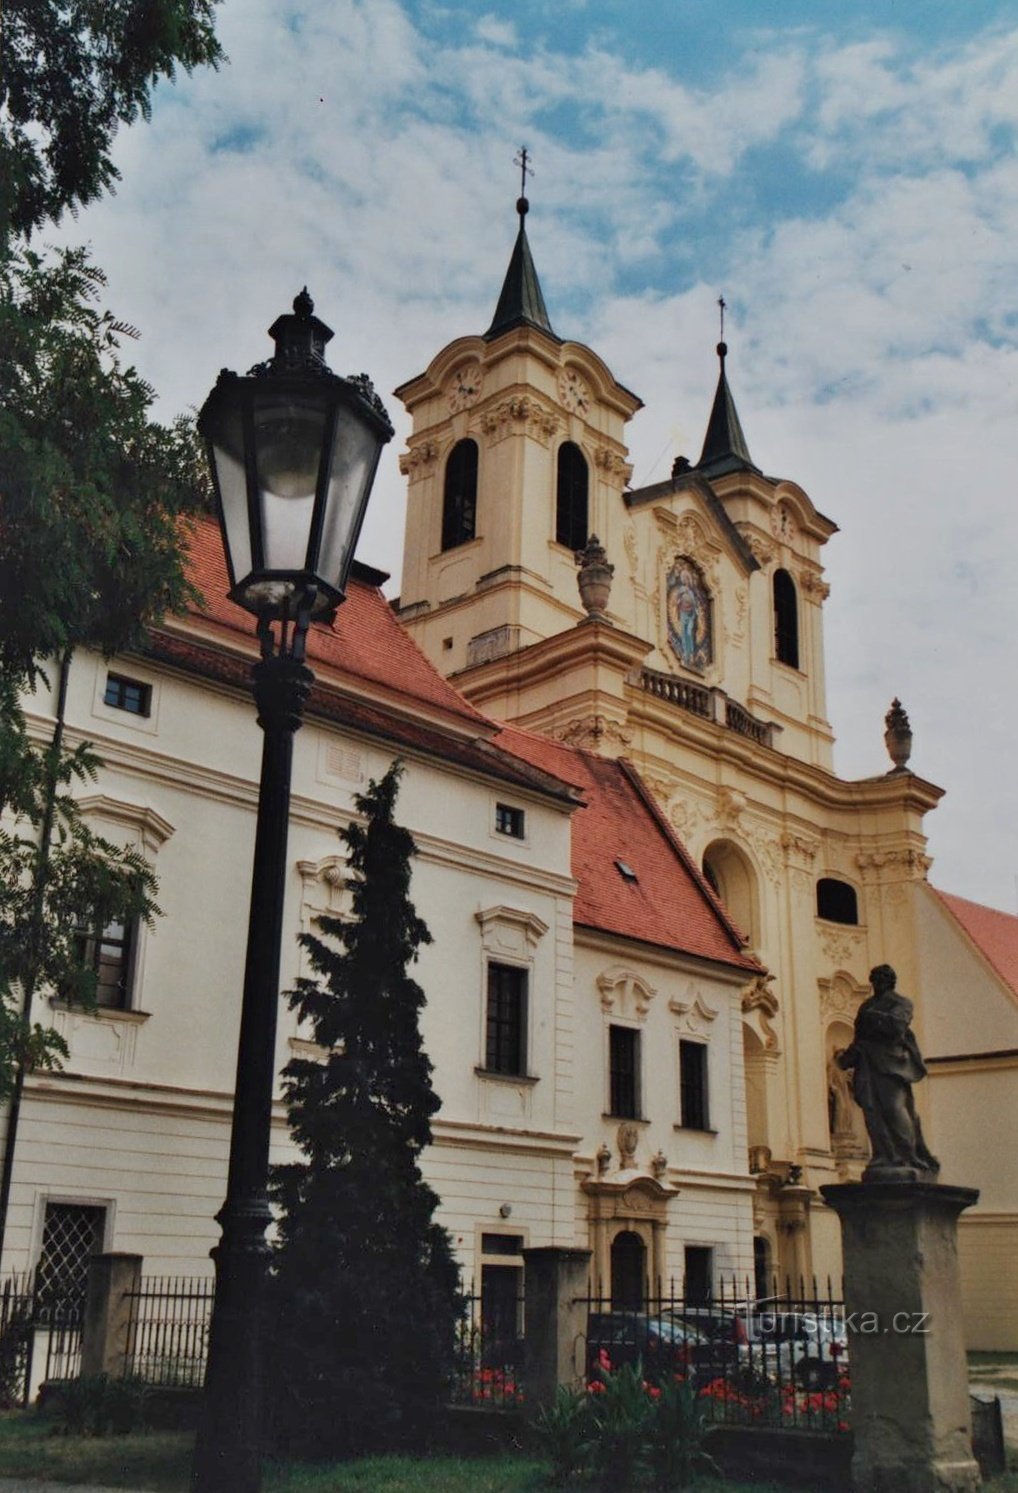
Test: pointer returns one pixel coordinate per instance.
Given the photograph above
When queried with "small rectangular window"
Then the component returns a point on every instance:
(127, 694)
(109, 955)
(693, 1085)
(509, 821)
(506, 1023)
(624, 1071)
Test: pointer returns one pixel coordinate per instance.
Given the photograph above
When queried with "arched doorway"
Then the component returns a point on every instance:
(628, 1272)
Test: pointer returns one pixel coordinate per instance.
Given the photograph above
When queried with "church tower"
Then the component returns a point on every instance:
(515, 458)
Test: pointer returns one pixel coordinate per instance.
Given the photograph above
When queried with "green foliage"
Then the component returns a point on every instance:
(676, 1442)
(57, 878)
(73, 70)
(364, 1294)
(96, 1405)
(93, 490)
(564, 1433)
(621, 1413)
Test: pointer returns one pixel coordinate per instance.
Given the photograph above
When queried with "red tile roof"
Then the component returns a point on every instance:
(365, 641)
(994, 933)
(668, 903)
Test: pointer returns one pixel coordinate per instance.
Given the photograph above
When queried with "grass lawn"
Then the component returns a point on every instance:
(29, 1450)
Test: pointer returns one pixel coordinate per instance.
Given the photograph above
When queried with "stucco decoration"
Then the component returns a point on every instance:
(414, 462)
(631, 548)
(323, 891)
(812, 585)
(627, 1139)
(595, 731)
(694, 1013)
(686, 814)
(690, 614)
(840, 997)
(783, 524)
(616, 469)
(768, 852)
(762, 549)
(510, 930)
(147, 828)
(625, 993)
(731, 805)
(904, 864)
(524, 414)
(760, 1010)
(800, 850)
(841, 945)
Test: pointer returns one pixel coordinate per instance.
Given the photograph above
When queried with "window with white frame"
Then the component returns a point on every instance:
(693, 1094)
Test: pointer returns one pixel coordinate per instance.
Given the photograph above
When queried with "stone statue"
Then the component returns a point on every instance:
(839, 1097)
(885, 1062)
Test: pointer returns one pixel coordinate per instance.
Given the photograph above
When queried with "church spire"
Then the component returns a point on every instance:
(521, 301)
(724, 445)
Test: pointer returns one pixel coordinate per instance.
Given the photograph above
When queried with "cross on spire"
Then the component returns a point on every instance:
(722, 306)
(522, 159)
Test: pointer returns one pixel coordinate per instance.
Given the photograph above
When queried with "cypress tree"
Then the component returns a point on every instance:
(364, 1296)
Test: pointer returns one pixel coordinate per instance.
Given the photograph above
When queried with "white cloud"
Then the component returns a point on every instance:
(873, 338)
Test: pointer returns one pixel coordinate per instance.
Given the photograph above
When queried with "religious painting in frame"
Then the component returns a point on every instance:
(690, 615)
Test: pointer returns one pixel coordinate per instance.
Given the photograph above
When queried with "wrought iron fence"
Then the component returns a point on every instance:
(168, 1330)
(775, 1360)
(489, 1353)
(40, 1333)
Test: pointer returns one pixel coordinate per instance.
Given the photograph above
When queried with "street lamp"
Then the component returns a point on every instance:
(293, 450)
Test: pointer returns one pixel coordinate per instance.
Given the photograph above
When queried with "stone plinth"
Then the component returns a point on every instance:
(555, 1290)
(910, 1396)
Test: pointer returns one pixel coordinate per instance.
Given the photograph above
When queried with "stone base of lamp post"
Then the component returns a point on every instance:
(910, 1397)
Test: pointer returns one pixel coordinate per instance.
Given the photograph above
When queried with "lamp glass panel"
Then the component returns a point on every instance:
(288, 449)
(355, 457)
(227, 442)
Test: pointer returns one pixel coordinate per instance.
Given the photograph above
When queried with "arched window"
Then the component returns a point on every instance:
(836, 901)
(459, 503)
(732, 877)
(571, 497)
(786, 620)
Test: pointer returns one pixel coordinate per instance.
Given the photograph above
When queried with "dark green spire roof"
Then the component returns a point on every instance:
(724, 445)
(521, 302)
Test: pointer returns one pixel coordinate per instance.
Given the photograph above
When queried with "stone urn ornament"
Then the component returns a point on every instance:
(594, 579)
(898, 736)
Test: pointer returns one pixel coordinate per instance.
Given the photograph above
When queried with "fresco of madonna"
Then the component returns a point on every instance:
(690, 627)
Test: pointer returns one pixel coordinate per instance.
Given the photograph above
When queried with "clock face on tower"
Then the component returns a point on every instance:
(465, 386)
(573, 392)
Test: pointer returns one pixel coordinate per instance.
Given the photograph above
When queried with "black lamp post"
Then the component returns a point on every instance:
(293, 450)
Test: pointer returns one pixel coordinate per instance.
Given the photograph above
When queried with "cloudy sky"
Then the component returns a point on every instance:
(843, 172)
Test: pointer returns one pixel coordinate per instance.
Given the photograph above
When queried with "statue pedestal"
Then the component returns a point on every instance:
(910, 1393)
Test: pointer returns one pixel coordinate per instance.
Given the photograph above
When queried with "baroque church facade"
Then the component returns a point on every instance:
(701, 662)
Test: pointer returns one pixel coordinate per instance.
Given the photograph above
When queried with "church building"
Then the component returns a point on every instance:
(679, 628)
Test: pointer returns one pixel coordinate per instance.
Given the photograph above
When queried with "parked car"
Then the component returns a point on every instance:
(661, 1345)
(803, 1347)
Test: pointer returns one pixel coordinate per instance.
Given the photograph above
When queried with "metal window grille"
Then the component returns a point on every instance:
(624, 1071)
(72, 1233)
(693, 1085)
(505, 1043)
